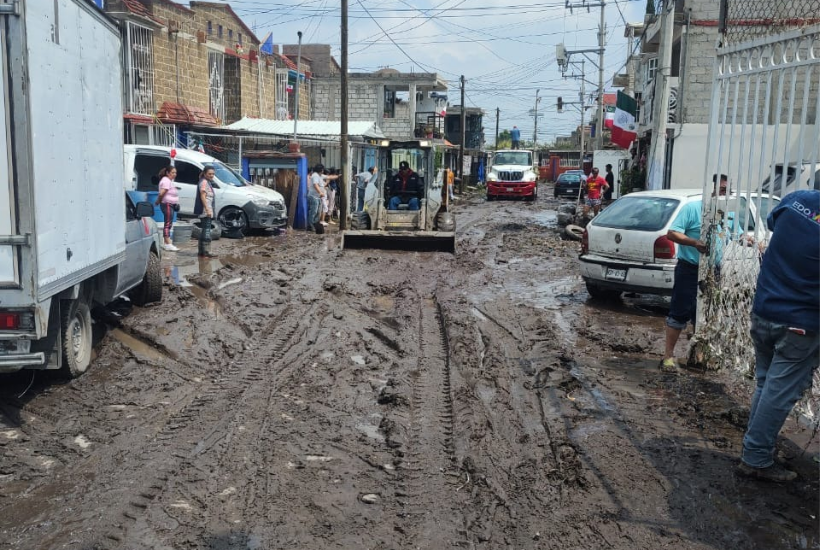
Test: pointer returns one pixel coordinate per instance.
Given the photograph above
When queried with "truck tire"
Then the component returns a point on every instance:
(75, 338)
(150, 289)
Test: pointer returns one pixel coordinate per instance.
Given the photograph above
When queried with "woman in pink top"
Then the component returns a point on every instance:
(169, 202)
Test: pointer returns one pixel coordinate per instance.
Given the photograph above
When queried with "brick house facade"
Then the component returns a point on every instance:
(196, 66)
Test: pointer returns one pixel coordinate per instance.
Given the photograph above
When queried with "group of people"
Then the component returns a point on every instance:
(204, 207)
(323, 186)
(785, 325)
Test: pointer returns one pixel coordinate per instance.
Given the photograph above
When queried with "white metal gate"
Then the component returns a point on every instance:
(216, 84)
(139, 61)
(764, 135)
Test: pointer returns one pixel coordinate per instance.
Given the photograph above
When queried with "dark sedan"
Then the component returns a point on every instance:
(567, 186)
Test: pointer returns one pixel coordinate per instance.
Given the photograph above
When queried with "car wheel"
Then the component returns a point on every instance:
(574, 232)
(233, 218)
(534, 196)
(75, 338)
(599, 293)
(150, 289)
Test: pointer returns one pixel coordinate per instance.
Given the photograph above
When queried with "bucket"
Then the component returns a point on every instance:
(182, 232)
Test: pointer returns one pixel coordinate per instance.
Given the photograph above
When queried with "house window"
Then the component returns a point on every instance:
(389, 103)
(139, 60)
(230, 35)
(210, 28)
(281, 94)
(651, 69)
(216, 84)
(239, 34)
(219, 31)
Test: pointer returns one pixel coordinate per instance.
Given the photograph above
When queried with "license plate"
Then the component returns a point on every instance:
(616, 274)
(510, 189)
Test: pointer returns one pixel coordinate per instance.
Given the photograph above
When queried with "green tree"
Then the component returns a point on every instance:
(504, 140)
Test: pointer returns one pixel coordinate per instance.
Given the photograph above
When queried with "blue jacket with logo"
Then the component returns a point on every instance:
(788, 287)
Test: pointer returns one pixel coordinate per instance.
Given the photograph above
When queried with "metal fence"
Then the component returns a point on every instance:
(764, 135)
(743, 20)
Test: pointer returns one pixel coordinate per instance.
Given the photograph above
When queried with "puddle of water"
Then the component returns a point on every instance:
(547, 218)
(137, 346)
(180, 272)
(371, 430)
(207, 302)
(247, 260)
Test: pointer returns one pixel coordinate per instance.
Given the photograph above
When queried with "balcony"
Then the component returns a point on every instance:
(429, 125)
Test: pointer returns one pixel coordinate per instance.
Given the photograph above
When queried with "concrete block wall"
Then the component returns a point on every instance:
(363, 100)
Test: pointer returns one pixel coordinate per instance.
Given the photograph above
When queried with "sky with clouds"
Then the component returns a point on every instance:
(505, 49)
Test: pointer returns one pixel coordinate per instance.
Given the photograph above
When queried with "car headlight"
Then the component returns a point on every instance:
(492, 177)
(529, 177)
(260, 201)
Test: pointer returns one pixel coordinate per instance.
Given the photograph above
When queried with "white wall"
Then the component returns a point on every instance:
(744, 157)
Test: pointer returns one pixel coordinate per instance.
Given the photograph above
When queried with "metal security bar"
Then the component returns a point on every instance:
(764, 135)
(139, 58)
(744, 20)
(216, 84)
(281, 94)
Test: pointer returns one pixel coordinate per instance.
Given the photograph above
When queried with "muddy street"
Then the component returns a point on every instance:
(294, 395)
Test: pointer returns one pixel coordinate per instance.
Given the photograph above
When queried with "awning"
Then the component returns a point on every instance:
(306, 129)
(176, 113)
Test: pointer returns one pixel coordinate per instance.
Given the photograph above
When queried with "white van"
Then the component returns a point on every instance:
(238, 203)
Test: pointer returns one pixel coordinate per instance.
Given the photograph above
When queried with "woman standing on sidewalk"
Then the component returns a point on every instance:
(168, 201)
(204, 208)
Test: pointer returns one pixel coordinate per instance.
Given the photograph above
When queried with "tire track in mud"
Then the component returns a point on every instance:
(427, 474)
(190, 500)
(127, 490)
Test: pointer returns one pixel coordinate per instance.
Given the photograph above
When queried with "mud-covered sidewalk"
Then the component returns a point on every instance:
(293, 395)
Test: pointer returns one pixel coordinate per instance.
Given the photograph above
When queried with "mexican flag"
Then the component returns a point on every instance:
(624, 128)
(609, 119)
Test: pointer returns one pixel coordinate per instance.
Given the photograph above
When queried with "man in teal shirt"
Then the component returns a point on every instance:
(685, 232)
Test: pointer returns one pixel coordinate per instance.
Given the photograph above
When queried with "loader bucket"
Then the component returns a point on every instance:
(419, 241)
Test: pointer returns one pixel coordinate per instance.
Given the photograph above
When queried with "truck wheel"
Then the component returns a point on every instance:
(150, 289)
(75, 339)
(534, 195)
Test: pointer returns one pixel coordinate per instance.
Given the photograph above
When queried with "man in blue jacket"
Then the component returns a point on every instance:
(785, 329)
(515, 137)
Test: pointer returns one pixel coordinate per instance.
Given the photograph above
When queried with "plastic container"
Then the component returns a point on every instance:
(181, 233)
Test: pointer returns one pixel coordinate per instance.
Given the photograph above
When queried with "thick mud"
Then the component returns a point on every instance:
(294, 395)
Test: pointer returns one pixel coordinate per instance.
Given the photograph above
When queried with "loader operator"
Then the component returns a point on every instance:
(405, 188)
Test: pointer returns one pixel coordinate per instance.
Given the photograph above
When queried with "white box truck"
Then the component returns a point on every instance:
(70, 236)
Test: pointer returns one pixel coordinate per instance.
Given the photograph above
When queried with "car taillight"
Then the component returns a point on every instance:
(9, 321)
(585, 242)
(664, 249)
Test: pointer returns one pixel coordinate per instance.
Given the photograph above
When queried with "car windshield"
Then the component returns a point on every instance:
(638, 213)
(228, 176)
(571, 178)
(513, 157)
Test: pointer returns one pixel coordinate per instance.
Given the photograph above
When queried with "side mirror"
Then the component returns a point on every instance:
(145, 210)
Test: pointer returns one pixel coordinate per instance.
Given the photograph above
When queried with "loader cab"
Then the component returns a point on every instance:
(418, 159)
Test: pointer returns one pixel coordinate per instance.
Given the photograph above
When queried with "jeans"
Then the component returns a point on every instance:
(314, 206)
(784, 364)
(359, 200)
(204, 235)
(684, 304)
(412, 204)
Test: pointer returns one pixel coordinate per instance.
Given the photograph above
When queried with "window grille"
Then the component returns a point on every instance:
(139, 58)
(281, 94)
(216, 84)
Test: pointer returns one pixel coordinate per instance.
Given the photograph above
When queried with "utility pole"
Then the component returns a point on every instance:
(296, 98)
(344, 189)
(585, 4)
(660, 116)
(463, 139)
(583, 108)
(599, 126)
(535, 116)
(497, 116)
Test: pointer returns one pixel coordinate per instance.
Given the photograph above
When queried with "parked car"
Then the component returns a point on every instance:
(625, 247)
(567, 185)
(778, 188)
(239, 204)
